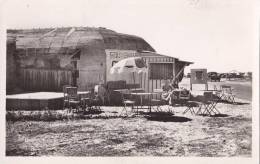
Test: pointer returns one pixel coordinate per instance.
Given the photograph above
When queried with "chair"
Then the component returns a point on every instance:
(86, 100)
(127, 101)
(191, 107)
(218, 92)
(73, 98)
(209, 104)
(227, 93)
(65, 95)
(110, 87)
(94, 100)
(157, 101)
(103, 94)
(184, 96)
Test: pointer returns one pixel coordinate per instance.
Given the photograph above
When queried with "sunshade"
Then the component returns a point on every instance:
(132, 64)
(129, 65)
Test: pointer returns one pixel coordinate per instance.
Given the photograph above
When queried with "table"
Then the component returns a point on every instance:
(141, 94)
(136, 90)
(201, 92)
(122, 90)
(83, 93)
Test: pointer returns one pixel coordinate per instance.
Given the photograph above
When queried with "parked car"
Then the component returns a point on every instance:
(214, 76)
(223, 75)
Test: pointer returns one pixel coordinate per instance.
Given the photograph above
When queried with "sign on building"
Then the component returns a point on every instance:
(199, 76)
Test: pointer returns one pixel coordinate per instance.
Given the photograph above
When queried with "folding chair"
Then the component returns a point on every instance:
(209, 104)
(184, 96)
(86, 101)
(94, 101)
(127, 101)
(227, 92)
(157, 101)
(111, 86)
(191, 107)
(65, 96)
(218, 93)
(73, 98)
(169, 109)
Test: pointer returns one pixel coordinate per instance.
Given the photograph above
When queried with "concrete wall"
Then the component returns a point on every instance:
(46, 61)
(11, 75)
(92, 65)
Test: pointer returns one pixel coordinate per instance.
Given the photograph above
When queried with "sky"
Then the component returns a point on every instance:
(215, 34)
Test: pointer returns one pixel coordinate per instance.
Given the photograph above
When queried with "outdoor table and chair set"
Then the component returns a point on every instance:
(203, 103)
(79, 100)
(206, 101)
(137, 99)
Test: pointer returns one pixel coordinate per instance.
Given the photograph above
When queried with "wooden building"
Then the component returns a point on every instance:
(49, 58)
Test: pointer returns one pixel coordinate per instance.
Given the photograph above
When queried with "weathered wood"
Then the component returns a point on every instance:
(45, 80)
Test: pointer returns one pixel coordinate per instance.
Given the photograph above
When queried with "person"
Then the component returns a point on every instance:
(175, 86)
(168, 90)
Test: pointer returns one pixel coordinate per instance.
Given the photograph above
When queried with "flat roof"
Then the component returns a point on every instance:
(157, 54)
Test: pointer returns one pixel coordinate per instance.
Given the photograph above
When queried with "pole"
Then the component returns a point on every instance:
(134, 79)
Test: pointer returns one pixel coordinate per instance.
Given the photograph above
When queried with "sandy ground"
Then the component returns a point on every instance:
(179, 135)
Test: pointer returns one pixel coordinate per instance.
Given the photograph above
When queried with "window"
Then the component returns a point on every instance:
(161, 70)
(198, 75)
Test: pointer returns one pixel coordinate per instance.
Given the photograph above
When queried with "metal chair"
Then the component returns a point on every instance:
(127, 101)
(86, 101)
(94, 100)
(102, 94)
(209, 104)
(158, 102)
(227, 93)
(111, 86)
(65, 95)
(218, 92)
(184, 96)
(191, 107)
(73, 98)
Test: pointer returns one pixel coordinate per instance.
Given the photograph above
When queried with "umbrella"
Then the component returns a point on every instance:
(129, 65)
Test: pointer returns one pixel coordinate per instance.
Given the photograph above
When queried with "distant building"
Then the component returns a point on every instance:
(47, 59)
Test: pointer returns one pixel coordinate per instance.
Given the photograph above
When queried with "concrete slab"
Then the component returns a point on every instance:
(35, 101)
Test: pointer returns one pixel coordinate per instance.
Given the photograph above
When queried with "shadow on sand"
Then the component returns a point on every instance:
(220, 115)
(166, 117)
(88, 112)
(216, 115)
(234, 103)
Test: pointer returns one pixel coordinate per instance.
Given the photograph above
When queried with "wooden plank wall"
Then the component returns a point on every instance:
(44, 80)
(148, 84)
